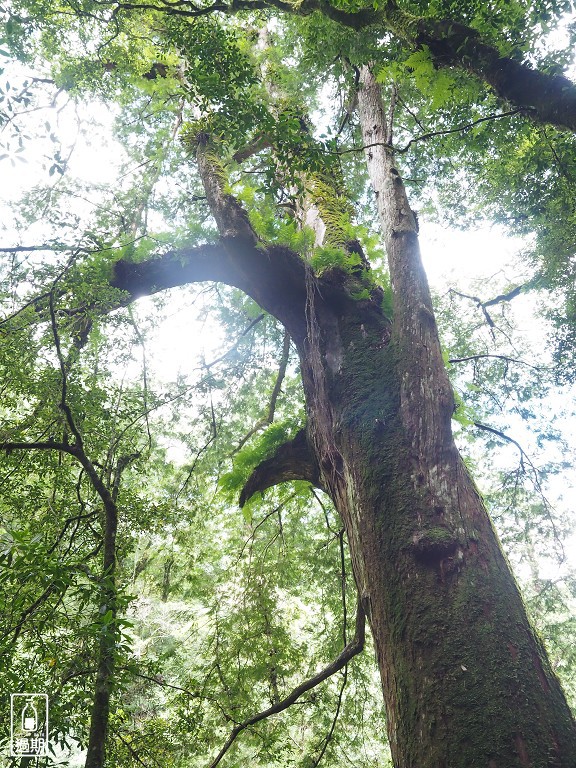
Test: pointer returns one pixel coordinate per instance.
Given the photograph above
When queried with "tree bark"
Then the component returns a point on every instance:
(104, 682)
(546, 98)
(465, 680)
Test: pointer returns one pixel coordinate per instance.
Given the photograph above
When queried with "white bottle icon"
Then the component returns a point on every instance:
(29, 717)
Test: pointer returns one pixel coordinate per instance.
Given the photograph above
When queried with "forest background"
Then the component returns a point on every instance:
(159, 616)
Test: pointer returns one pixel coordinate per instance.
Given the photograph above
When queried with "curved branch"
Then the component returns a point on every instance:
(294, 460)
(273, 276)
(354, 647)
(545, 98)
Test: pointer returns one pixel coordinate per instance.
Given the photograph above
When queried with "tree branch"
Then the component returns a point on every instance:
(496, 357)
(482, 305)
(269, 418)
(294, 460)
(234, 347)
(354, 647)
(536, 479)
(430, 134)
(546, 98)
(273, 276)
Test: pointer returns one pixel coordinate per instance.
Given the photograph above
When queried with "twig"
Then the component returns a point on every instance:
(235, 345)
(429, 135)
(524, 457)
(497, 357)
(330, 733)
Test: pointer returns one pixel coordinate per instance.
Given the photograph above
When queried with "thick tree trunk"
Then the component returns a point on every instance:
(466, 682)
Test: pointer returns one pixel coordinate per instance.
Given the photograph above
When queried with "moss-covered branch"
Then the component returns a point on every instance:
(293, 460)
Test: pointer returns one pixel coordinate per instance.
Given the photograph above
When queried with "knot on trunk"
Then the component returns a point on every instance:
(434, 544)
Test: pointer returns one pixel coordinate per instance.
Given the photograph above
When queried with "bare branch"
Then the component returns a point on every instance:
(482, 305)
(31, 248)
(330, 733)
(497, 357)
(234, 347)
(536, 481)
(354, 647)
(430, 135)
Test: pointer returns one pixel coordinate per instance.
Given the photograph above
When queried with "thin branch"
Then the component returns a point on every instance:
(459, 129)
(353, 100)
(30, 248)
(269, 418)
(121, 464)
(497, 357)
(200, 451)
(17, 628)
(482, 305)
(67, 522)
(141, 341)
(502, 297)
(234, 347)
(430, 134)
(256, 146)
(508, 439)
(353, 648)
(391, 113)
(524, 457)
(276, 511)
(63, 405)
(330, 733)
(133, 751)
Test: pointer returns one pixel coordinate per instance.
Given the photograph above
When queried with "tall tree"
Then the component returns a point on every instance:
(465, 679)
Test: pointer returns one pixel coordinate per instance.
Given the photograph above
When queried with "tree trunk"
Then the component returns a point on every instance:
(466, 682)
(104, 682)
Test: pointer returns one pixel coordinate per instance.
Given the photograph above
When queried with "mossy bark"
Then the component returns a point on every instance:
(465, 680)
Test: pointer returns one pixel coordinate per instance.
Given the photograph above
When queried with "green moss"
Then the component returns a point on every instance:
(330, 256)
(329, 196)
(435, 543)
